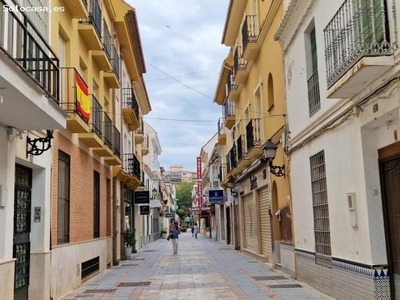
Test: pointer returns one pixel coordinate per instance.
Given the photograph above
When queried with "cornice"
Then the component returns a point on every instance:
(292, 21)
(265, 27)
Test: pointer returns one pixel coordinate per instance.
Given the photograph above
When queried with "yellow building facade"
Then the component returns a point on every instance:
(252, 95)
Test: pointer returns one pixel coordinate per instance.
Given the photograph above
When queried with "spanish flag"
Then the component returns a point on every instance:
(82, 98)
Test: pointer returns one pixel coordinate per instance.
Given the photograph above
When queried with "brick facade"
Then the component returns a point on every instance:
(81, 193)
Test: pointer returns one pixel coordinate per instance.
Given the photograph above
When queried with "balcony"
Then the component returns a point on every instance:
(240, 66)
(73, 100)
(145, 145)
(243, 159)
(221, 132)
(231, 158)
(130, 108)
(250, 32)
(234, 89)
(103, 57)
(139, 134)
(229, 113)
(28, 63)
(107, 148)
(76, 8)
(90, 29)
(116, 158)
(254, 148)
(94, 138)
(129, 172)
(111, 77)
(358, 47)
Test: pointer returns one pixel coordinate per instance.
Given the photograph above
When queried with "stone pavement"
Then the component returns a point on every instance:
(202, 269)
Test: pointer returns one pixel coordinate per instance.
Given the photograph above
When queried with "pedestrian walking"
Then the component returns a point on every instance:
(195, 230)
(175, 231)
(192, 231)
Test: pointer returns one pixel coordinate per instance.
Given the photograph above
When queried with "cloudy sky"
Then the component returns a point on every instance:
(181, 41)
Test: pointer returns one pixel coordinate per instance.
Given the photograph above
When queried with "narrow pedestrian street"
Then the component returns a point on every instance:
(202, 269)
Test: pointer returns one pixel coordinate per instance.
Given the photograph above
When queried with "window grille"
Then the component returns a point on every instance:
(321, 210)
(314, 101)
(96, 204)
(64, 187)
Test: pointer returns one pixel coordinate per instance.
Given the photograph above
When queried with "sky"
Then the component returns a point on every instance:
(181, 41)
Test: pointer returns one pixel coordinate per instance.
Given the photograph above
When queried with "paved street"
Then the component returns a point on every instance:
(202, 269)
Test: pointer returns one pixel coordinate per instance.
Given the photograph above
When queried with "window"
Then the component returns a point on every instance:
(321, 211)
(63, 203)
(314, 103)
(271, 99)
(96, 204)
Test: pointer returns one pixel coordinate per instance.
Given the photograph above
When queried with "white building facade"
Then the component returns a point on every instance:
(342, 91)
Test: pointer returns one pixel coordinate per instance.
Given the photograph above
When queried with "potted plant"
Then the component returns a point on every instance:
(163, 232)
(129, 240)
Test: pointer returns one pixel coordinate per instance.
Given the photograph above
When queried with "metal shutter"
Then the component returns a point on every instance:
(265, 221)
(249, 223)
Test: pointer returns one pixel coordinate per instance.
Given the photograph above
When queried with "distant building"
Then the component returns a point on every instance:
(177, 174)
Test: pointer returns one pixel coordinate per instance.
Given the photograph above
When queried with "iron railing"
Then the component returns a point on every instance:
(132, 165)
(26, 46)
(221, 127)
(228, 162)
(253, 133)
(68, 91)
(359, 28)
(108, 127)
(238, 62)
(241, 146)
(229, 109)
(107, 41)
(117, 142)
(95, 17)
(232, 85)
(249, 30)
(97, 117)
(314, 102)
(233, 157)
(115, 61)
(145, 143)
(129, 100)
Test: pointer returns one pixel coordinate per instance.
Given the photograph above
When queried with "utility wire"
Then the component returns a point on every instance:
(180, 82)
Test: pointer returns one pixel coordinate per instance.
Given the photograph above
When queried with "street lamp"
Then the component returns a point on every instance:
(269, 155)
(232, 185)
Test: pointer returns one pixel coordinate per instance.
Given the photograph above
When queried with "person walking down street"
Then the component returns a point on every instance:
(192, 231)
(195, 230)
(175, 231)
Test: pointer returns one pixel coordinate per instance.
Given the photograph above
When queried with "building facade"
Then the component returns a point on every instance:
(29, 112)
(342, 75)
(252, 94)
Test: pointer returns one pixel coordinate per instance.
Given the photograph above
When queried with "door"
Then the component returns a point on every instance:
(228, 225)
(391, 193)
(22, 230)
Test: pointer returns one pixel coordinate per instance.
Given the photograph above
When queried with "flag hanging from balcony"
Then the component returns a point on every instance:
(82, 98)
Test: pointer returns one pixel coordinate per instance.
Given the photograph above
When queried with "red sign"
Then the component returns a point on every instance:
(206, 208)
(199, 195)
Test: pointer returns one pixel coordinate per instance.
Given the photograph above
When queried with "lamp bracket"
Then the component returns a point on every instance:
(278, 171)
(37, 146)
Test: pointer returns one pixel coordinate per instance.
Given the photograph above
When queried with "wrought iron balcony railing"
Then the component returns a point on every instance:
(107, 41)
(129, 100)
(314, 102)
(115, 61)
(241, 146)
(117, 142)
(238, 62)
(229, 109)
(233, 157)
(132, 165)
(253, 133)
(95, 16)
(68, 91)
(228, 162)
(108, 128)
(146, 142)
(358, 29)
(26, 46)
(97, 117)
(231, 85)
(221, 127)
(249, 30)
